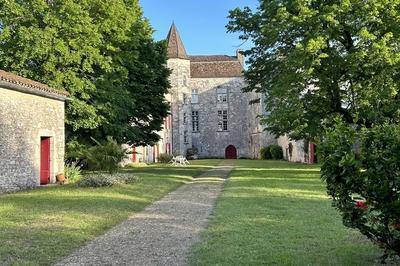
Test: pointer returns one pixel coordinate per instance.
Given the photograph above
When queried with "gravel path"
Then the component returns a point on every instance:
(162, 233)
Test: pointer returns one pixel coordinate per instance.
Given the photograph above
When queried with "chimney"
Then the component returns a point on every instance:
(240, 56)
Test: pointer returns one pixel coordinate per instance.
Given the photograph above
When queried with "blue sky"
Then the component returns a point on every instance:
(201, 23)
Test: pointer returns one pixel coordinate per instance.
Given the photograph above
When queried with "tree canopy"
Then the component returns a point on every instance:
(318, 59)
(330, 70)
(101, 52)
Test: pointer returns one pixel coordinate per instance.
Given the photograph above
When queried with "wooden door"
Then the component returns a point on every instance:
(231, 152)
(44, 160)
(313, 150)
(134, 154)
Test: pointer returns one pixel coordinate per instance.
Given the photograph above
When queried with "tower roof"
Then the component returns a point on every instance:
(176, 49)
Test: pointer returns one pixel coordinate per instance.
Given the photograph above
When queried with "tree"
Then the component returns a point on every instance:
(101, 52)
(330, 70)
(318, 59)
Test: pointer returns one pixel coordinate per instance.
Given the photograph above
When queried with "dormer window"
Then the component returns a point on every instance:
(195, 96)
(222, 95)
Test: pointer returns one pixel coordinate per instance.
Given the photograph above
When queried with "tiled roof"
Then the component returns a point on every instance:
(204, 66)
(211, 58)
(30, 84)
(216, 69)
(176, 49)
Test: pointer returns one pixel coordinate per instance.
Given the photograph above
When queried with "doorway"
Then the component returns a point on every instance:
(230, 152)
(45, 160)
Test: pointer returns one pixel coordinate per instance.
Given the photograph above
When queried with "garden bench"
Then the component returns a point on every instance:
(179, 161)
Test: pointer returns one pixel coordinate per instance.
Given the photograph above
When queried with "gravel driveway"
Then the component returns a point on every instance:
(162, 233)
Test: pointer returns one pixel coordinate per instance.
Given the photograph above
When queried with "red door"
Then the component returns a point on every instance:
(313, 157)
(44, 161)
(231, 152)
(134, 154)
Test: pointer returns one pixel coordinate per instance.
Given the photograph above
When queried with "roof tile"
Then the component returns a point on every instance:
(24, 82)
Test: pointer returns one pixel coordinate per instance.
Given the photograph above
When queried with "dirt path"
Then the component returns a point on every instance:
(162, 233)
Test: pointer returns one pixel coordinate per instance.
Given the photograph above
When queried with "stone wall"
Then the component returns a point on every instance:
(25, 118)
(210, 141)
(298, 154)
(259, 137)
(179, 79)
(244, 129)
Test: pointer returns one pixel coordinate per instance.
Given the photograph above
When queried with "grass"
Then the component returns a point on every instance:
(277, 213)
(40, 226)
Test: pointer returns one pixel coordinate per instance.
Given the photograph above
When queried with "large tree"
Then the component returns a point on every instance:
(102, 52)
(317, 59)
(330, 70)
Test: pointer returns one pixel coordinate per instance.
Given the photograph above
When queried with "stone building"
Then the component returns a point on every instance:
(209, 110)
(31, 132)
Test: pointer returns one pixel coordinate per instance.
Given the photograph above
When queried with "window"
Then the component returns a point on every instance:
(185, 137)
(184, 97)
(222, 95)
(167, 122)
(195, 96)
(222, 120)
(195, 121)
(184, 118)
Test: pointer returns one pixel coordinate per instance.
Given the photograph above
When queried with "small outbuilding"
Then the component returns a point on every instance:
(32, 132)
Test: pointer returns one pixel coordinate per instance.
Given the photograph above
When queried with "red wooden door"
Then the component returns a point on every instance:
(231, 152)
(313, 157)
(44, 161)
(134, 154)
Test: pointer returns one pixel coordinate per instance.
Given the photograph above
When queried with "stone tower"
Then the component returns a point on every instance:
(179, 64)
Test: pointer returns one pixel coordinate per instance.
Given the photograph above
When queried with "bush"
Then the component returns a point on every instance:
(73, 150)
(276, 152)
(273, 152)
(266, 153)
(191, 153)
(361, 168)
(164, 158)
(72, 172)
(105, 156)
(106, 180)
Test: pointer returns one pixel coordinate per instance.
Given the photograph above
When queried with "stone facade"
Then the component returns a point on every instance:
(208, 108)
(210, 112)
(29, 111)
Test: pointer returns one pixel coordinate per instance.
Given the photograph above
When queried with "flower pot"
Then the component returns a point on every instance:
(60, 178)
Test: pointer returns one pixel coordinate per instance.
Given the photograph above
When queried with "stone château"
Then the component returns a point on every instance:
(209, 111)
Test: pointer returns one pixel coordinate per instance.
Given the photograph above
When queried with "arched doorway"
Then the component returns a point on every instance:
(230, 152)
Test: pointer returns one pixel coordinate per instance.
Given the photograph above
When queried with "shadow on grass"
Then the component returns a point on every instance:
(39, 226)
(270, 216)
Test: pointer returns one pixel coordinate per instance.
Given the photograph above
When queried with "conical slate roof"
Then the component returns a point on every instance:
(176, 49)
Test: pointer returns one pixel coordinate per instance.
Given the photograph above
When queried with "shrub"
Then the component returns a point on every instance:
(266, 153)
(106, 180)
(164, 158)
(105, 156)
(191, 153)
(127, 178)
(276, 152)
(73, 150)
(72, 172)
(361, 168)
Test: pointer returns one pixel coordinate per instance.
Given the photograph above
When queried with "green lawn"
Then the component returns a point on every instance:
(277, 213)
(38, 227)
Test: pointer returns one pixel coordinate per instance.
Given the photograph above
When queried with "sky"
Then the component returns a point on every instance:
(201, 23)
